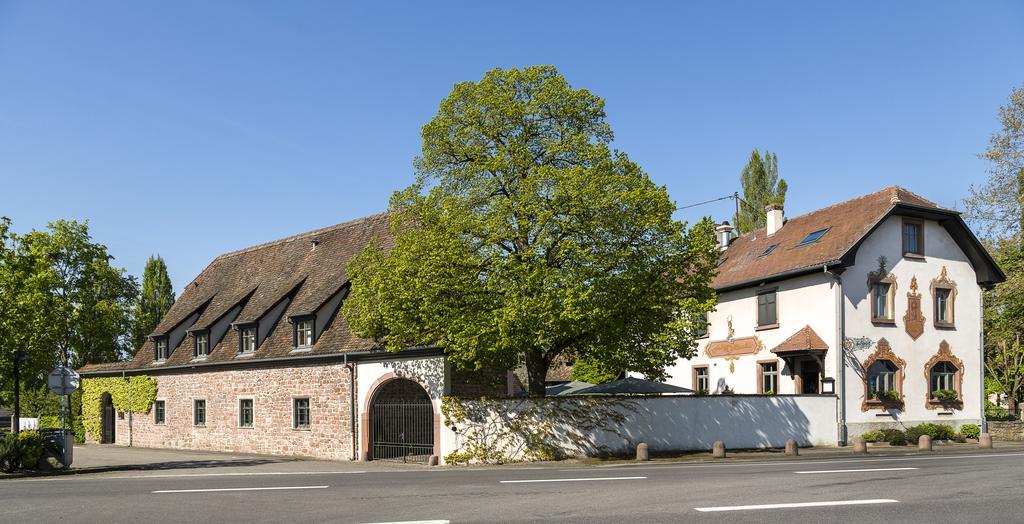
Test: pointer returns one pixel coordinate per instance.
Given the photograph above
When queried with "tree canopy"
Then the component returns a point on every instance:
(761, 187)
(60, 300)
(995, 206)
(995, 209)
(156, 298)
(526, 237)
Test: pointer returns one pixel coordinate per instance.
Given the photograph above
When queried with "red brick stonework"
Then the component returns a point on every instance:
(272, 390)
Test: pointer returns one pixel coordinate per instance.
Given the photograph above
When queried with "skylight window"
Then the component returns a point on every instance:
(769, 250)
(813, 236)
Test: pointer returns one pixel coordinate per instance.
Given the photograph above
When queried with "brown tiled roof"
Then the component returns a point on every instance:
(804, 340)
(258, 278)
(847, 221)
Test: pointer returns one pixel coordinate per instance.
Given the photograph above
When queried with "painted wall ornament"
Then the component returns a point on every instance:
(913, 320)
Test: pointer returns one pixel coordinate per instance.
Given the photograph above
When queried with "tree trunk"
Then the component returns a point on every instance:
(1012, 405)
(536, 373)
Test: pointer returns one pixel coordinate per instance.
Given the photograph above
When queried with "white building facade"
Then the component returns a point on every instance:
(876, 301)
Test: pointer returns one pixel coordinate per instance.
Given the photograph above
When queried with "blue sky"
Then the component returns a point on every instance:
(192, 128)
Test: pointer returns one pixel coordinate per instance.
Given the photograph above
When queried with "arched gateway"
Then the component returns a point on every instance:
(401, 422)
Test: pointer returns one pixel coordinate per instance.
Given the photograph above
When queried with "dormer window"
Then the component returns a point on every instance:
(913, 237)
(303, 336)
(161, 349)
(247, 339)
(202, 344)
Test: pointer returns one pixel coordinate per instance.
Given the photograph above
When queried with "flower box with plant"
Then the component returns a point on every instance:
(886, 396)
(945, 395)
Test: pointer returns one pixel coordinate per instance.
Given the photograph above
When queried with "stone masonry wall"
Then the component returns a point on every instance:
(272, 390)
(1006, 431)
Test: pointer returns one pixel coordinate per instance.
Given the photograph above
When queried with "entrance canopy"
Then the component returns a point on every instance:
(803, 342)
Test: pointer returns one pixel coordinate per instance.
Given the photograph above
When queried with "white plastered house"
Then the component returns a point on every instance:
(876, 300)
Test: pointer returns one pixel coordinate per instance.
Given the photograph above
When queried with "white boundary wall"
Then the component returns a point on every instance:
(680, 423)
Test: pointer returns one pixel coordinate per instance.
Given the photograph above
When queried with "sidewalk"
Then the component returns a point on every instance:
(104, 458)
(100, 458)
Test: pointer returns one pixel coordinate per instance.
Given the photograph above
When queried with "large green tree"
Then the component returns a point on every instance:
(1004, 325)
(62, 302)
(761, 186)
(995, 206)
(995, 209)
(525, 237)
(157, 297)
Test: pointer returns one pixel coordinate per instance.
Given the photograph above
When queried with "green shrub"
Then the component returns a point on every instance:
(894, 437)
(945, 394)
(995, 412)
(30, 448)
(935, 431)
(9, 459)
(873, 436)
(970, 431)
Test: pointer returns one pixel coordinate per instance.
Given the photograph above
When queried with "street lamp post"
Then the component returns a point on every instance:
(19, 357)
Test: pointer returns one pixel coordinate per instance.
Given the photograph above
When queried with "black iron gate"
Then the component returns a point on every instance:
(108, 436)
(403, 429)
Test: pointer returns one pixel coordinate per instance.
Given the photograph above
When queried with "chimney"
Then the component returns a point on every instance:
(775, 218)
(724, 231)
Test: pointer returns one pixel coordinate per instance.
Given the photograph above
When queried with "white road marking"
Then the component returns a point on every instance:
(850, 470)
(184, 475)
(570, 480)
(798, 505)
(246, 474)
(415, 522)
(742, 463)
(212, 490)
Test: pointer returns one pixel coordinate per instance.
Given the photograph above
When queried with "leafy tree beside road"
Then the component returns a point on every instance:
(526, 237)
(61, 300)
(996, 209)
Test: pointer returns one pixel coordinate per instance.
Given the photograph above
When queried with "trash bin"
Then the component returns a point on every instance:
(54, 439)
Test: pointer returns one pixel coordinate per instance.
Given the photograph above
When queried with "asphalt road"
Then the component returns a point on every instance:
(960, 488)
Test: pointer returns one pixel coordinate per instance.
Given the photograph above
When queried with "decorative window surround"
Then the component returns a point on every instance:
(945, 354)
(884, 352)
(882, 277)
(943, 284)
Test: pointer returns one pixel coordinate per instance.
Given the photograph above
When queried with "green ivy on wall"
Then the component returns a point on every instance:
(143, 395)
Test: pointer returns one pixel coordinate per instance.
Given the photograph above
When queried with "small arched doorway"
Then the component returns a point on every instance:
(107, 419)
(401, 422)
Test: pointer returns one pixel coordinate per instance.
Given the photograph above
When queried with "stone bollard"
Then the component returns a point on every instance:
(432, 461)
(718, 450)
(792, 448)
(985, 441)
(924, 443)
(641, 452)
(860, 445)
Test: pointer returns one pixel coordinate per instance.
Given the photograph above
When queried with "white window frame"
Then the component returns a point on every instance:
(295, 415)
(252, 414)
(243, 337)
(195, 411)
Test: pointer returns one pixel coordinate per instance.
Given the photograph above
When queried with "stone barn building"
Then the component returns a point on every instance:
(254, 357)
